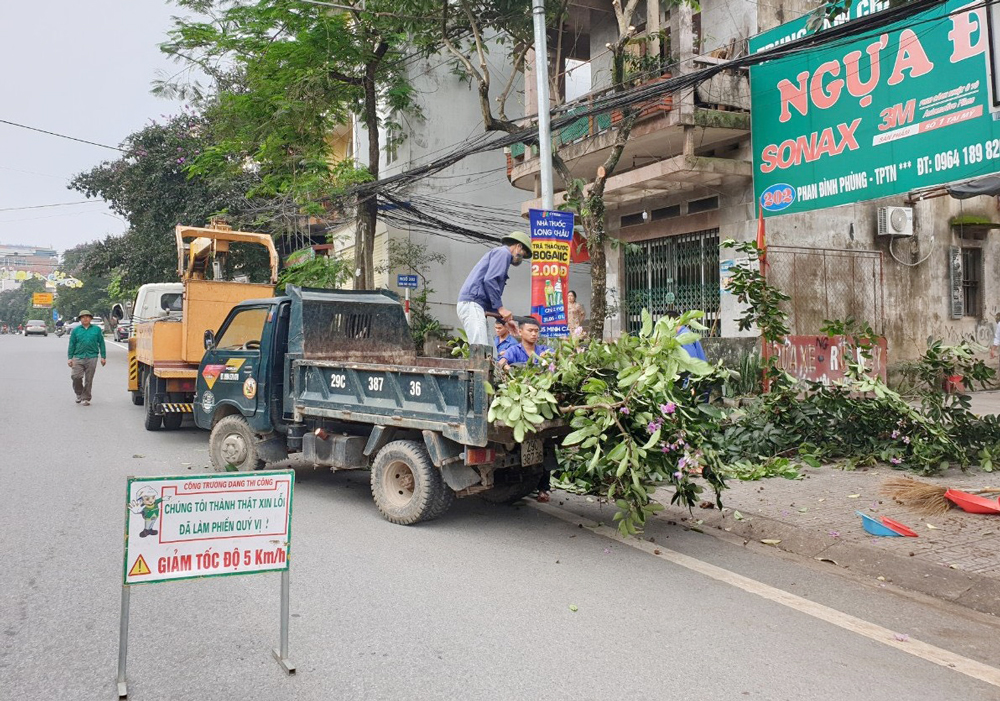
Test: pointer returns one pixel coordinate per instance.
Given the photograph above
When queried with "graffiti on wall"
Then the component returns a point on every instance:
(820, 358)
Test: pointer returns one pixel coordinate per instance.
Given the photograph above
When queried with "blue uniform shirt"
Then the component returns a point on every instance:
(517, 355)
(503, 345)
(694, 349)
(486, 281)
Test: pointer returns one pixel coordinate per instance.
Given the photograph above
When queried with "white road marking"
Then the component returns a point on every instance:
(925, 651)
(123, 346)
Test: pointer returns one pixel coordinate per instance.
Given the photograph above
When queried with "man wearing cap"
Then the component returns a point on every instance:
(483, 289)
(86, 343)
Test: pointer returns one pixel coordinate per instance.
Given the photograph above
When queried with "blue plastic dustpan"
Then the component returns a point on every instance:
(876, 528)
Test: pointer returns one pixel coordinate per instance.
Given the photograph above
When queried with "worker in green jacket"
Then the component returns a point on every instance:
(86, 343)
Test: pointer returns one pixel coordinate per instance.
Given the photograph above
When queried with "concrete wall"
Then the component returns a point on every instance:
(915, 271)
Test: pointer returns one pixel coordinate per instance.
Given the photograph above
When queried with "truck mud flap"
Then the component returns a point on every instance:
(176, 408)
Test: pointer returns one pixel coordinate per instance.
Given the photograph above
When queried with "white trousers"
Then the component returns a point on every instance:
(473, 318)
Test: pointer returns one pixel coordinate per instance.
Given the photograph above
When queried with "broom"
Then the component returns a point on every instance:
(923, 497)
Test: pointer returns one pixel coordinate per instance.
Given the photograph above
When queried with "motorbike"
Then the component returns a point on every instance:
(60, 331)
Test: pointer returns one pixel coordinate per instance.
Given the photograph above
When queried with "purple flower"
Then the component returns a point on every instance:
(682, 463)
(906, 440)
(678, 475)
(668, 408)
(552, 367)
(625, 410)
(666, 448)
(894, 434)
(895, 461)
(653, 427)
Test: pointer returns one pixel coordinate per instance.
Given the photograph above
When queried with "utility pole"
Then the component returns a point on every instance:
(542, 81)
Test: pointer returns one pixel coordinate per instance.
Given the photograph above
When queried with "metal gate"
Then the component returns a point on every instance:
(679, 272)
(828, 283)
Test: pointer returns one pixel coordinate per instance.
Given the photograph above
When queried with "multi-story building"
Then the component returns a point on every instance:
(684, 184)
(19, 263)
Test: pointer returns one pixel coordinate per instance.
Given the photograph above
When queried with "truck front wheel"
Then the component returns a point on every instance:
(233, 445)
(406, 486)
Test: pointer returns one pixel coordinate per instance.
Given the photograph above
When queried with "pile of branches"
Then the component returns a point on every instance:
(637, 410)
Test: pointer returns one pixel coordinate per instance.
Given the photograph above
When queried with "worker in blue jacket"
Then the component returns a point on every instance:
(482, 292)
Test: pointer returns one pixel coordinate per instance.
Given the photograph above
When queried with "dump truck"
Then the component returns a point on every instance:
(333, 375)
(166, 344)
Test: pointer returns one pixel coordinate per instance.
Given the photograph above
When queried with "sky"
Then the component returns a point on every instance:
(83, 69)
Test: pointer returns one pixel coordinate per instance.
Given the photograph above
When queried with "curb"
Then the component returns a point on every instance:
(966, 589)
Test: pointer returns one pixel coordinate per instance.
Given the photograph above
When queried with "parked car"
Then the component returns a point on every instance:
(36, 328)
(123, 330)
(98, 321)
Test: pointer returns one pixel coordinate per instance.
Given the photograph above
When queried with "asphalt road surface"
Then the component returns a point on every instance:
(475, 605)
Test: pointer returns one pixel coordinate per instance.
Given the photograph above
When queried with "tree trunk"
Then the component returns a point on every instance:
(596, 238)
(367, 214)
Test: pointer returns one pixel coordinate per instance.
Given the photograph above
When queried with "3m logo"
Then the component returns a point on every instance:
(139, 568)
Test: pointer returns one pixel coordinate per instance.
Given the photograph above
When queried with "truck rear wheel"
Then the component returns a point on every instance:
(233, 445)
(406, 486)
(152, 420)
(137, 398)
(515, 487)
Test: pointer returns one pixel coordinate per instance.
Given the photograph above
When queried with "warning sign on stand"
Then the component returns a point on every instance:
(208, 525)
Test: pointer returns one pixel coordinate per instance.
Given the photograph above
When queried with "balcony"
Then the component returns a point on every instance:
(670, 149)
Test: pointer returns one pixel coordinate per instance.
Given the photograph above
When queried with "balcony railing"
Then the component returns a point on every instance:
(589, 126)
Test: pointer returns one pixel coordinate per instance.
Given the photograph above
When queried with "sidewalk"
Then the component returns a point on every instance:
(958, 559)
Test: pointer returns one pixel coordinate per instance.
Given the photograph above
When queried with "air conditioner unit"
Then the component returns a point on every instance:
(895, 221)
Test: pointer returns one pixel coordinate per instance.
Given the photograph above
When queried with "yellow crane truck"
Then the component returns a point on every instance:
(167, 343)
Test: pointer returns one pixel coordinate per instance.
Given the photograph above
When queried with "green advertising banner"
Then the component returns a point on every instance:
(894, 110)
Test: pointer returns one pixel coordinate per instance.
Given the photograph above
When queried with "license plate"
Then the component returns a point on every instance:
(531, 451)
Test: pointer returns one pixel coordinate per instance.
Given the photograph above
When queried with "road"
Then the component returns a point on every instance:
(475, 605)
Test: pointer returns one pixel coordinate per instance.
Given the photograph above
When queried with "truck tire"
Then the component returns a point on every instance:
(137, 398)
(233, 445)
(515, 488)
(152, 420)
(406, 486)
(172, 422)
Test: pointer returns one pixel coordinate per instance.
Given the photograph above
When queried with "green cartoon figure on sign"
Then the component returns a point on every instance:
(148, 505)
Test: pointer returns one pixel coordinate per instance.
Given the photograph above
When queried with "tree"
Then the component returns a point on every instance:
(301, 70)
(152, 188)
(512, 30)
(415, 257)
(15, 305)
(92, 295)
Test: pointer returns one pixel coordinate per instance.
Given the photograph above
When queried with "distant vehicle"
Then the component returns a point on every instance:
(123, 330)
(98, 321)
(36, 328)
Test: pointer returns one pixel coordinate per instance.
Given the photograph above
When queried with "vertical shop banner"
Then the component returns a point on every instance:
(885, 113)
(551, 235)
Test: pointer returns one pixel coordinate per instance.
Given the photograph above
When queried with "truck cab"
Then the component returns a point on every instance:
(333, 375)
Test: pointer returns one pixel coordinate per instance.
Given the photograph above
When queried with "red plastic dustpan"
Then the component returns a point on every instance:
(898, 527)
(973, 503)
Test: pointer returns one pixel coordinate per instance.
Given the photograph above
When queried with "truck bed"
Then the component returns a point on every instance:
(437, 394)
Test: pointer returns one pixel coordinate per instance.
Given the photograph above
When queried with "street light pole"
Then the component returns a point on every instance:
(542, 82)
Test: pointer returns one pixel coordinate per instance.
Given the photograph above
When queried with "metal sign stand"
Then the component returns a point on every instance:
(123, 642)
(280, 653)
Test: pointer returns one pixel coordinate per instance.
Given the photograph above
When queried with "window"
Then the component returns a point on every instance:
(670, 212)
(244, 330)
(172, 302)
(703, 205)
(972, 268)
(674, 272)
(632, 219)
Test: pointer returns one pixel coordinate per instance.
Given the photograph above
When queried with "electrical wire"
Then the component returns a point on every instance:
(61, 136)
(485, 142)
(56, 204)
